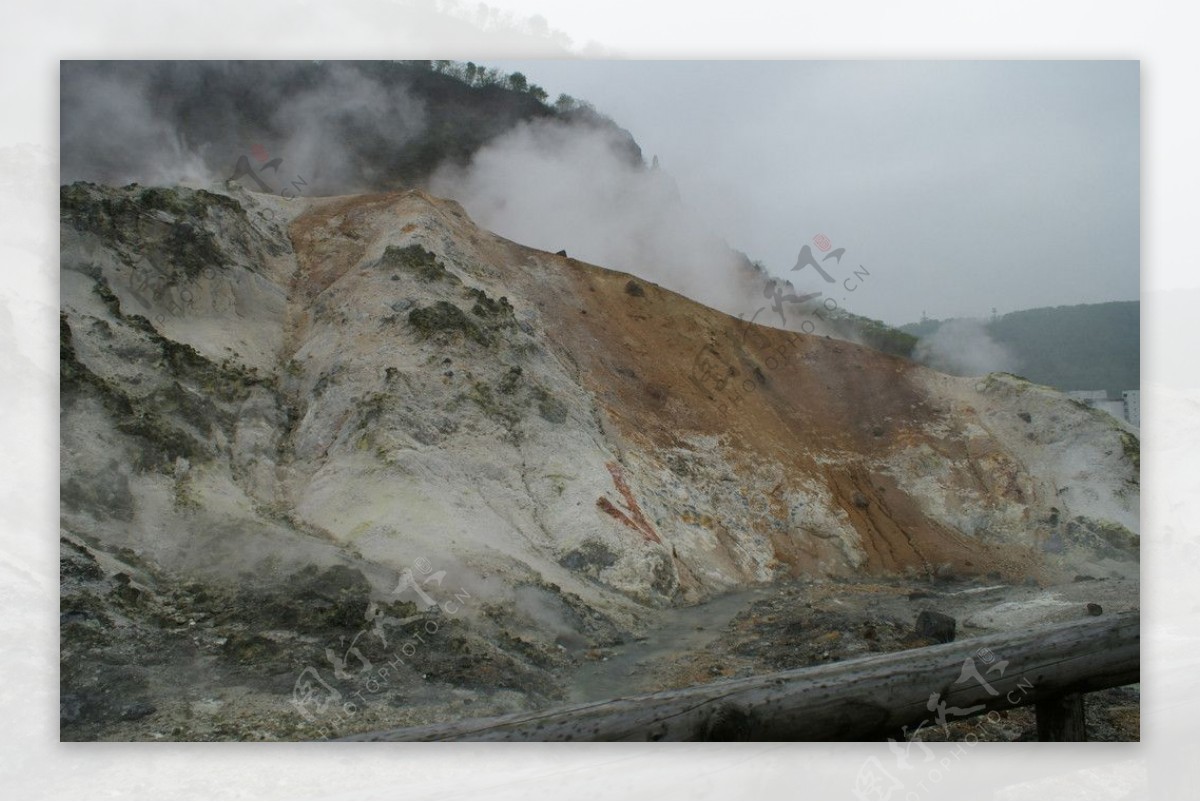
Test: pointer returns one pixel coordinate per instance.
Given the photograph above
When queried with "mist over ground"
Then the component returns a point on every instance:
(551, 177)
(964, 348)
(961, 185)
(559, 186)
(564, 177)
(183, 122)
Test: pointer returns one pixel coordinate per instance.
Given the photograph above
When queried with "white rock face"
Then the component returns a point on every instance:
(376, 381)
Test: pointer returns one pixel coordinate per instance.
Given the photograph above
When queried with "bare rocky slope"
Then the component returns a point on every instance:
(341, 463)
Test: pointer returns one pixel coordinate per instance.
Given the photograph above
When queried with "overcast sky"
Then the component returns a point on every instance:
(960, 186)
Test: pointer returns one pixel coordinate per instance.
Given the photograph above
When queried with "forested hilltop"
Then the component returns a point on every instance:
(1082, 347)
(399, 120)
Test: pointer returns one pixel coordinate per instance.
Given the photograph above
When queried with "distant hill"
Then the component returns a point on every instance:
(1084, 347)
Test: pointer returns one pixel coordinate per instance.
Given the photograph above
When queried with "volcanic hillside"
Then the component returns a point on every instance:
(259, 392)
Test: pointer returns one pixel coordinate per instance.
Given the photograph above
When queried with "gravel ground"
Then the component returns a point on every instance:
(147, 656)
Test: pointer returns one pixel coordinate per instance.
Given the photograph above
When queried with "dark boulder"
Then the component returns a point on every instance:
(938, 626)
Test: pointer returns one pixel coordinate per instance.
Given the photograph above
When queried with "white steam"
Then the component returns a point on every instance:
(298, 129)
(556, 186)
(112, 132)
(303, 131)
(317, 142)
(963, 347)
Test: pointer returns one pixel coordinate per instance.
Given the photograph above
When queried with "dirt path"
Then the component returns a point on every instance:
(636, 667)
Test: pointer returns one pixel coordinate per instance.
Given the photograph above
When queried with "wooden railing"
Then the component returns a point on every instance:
(868, 698)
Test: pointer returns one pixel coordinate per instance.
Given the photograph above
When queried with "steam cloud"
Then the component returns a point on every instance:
(189, 122)
(574, 184)
(963, 347)
(111, 132)
(557, 186)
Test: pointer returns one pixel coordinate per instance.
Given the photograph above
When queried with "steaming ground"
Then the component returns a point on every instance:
(189, 122)
(964, 348)
(557, 181)
(553, 186)
(348, 463)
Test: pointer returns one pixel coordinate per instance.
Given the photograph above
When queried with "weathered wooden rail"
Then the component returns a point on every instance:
(868, 698)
